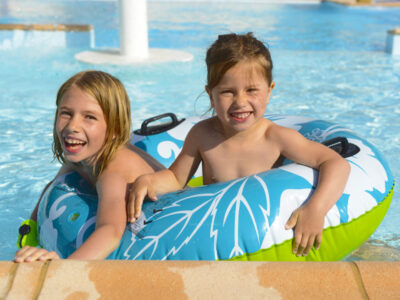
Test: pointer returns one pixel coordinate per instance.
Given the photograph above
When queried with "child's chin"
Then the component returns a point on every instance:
(243, 125)
(73, 158)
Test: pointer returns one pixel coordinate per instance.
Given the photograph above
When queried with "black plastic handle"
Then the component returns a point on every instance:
(339, 144)
(146, 129)
(342, 146)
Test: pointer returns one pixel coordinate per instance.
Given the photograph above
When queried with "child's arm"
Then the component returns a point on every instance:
(334, 170)
(164, 181)
(110, 224)
(111, 219)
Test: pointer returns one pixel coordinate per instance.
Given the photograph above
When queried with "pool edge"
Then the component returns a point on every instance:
(364, 3)
(46, 27)
(199, 279)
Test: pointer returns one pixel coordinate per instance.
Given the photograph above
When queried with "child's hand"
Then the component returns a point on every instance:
(28, 254)
(138, 191)
(308, 223)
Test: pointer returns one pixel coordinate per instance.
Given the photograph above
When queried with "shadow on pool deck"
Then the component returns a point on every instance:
(72, 279)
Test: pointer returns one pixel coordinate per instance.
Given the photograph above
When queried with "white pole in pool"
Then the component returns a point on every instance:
(393, 41)
(133, 28)
(134, 44)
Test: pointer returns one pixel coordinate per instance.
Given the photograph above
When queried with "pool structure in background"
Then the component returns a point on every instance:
(59, 35)
(329, 63)
(133, 37)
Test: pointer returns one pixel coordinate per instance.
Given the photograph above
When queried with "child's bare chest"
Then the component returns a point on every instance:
(228, 161)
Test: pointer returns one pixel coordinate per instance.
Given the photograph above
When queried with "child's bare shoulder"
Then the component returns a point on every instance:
(280, 133)
(201, 131)
(203, 127)
(128, 163)
(126, 156)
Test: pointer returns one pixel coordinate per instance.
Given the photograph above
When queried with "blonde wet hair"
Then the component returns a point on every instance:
(113, 100)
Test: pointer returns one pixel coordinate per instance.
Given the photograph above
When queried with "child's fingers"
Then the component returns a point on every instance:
(292, 220)
(29, 254)
(135, 199)
(296, 244)
(303, 244)
(139, 197)
(21, 251)
(151, 194)
(130, 208)
(318, 241)
(22, 254)
(48, 256)
(36, 255)
(310, 243)
(290, 224)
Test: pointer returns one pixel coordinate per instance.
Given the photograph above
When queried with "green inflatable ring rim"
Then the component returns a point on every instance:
(355, 232)
(30, 239)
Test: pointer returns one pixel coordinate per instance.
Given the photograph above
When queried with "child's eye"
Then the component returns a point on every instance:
(65, 113)
(226, 92)
(252, 90)
(91, 117)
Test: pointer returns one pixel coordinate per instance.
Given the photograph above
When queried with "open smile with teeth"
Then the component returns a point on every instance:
(73, 144)
(240, 115)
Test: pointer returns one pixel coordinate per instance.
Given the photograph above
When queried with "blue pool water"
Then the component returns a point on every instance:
(329, 63)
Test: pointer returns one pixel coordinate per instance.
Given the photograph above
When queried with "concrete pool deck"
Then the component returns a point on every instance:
(73, 279)
(366, 3)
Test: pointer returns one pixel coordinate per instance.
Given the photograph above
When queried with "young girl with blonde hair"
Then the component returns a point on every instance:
(91, 133)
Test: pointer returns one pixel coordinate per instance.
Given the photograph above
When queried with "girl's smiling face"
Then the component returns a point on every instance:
(241, 97)
(81, 126)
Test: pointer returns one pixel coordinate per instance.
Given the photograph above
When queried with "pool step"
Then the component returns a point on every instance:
(46, 35)
(72, 279)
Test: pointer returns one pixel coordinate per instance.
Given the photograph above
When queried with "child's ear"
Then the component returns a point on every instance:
(271, 87)
(210, 96)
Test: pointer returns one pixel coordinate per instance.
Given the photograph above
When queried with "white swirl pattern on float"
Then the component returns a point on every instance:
(168, 149)
(83, 230)
(48, 234)
(212, 201)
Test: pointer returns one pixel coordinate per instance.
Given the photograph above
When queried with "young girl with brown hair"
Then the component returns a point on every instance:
(238, 141)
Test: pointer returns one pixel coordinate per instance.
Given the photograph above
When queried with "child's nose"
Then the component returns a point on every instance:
(241, 99)
(73, 124)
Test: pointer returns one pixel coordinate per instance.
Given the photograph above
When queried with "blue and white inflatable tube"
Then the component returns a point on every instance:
(242, 219)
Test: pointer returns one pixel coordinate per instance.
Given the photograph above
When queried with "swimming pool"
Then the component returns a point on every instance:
(329, 63)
